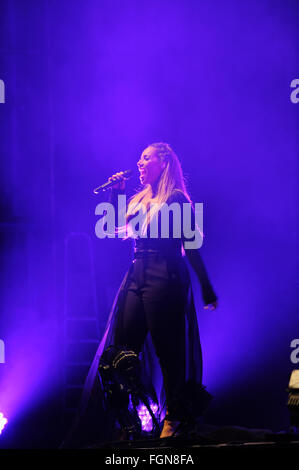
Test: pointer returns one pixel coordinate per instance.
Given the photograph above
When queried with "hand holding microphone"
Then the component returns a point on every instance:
(117, 181)
(118, 177)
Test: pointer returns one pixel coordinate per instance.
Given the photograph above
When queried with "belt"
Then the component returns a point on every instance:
(146, 253)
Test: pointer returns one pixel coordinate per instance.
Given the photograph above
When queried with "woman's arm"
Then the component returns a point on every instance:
(194, 256)
(208, 294)
(117, 190)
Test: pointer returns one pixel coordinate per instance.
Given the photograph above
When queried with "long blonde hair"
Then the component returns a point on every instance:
(171, 179)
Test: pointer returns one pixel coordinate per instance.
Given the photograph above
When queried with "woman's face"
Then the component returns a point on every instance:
(150, 166)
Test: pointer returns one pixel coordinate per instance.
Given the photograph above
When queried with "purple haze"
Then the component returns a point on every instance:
(89, 85)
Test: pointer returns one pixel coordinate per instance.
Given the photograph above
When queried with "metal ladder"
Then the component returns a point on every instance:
(81, 322)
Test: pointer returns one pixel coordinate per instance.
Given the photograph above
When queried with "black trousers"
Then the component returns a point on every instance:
(154, 302)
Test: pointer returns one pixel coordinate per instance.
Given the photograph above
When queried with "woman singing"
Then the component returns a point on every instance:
(154, 314)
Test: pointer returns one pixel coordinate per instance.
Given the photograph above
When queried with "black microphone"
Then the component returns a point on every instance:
(126, 174)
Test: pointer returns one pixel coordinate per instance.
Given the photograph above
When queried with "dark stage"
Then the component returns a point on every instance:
(85, 88)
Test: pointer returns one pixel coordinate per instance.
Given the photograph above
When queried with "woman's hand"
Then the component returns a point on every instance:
(118, 177)
(211, 306)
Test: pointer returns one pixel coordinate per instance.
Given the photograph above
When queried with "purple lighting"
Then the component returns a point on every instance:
(145, 417)
(3, 422)
(89, 85)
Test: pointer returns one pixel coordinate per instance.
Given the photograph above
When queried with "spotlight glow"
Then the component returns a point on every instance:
(145, 417)
(3, 422)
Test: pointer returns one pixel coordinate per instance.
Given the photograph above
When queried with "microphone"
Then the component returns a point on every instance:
(126, 174)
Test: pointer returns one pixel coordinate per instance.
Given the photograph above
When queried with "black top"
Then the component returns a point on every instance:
(171, 247)
(171, 244)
